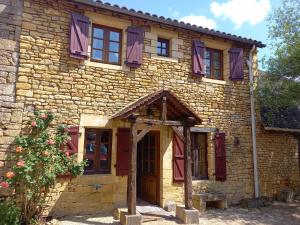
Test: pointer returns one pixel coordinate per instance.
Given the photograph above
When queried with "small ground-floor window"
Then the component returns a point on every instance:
(97, 150)
(199, 155)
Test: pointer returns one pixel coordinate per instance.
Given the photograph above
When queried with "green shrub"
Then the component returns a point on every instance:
(9, 213)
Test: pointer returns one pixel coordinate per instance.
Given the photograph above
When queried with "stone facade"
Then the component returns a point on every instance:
(10, 111)
(86, 94)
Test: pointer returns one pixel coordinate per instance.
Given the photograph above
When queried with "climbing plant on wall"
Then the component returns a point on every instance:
(39, 158)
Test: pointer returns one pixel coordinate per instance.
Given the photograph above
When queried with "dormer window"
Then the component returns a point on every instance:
(163, 47)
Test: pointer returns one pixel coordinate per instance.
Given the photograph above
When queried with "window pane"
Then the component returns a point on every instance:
(97, 54)
(163, 44)
(158, 44)
(113, 46)
(216, 55)
(114, 36)
(217, 64)
(217, 74)
(105, 136)
(98, 32)
(113, 57)
(158, 51)
(164, 52)
(89, 165)
(104, 157)
(98, 43)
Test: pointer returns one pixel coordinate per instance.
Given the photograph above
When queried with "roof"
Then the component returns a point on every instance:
(176, 109)
(170, 22)
(282, 119)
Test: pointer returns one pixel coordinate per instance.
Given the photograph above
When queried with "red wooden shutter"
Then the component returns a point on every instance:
(236, 63)
(135, 43)
(220, 158)
(198, 49)
(178, 158)
(123, 137)
(79, 31)
(72, 144)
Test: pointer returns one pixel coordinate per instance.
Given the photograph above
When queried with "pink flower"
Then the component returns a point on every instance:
(10, 174)
(19, 149)
(67, 154)
(4, 184)
(43, 116)
(21, 163)
(51, 142)
(33, 124)
(45, 153)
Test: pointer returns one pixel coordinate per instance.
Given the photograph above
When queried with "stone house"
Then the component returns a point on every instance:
(96, 66)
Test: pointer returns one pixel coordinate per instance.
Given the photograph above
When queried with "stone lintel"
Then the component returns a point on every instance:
(187, 216)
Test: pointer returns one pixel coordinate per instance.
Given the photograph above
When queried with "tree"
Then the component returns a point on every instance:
(38, 160)
(279, 87)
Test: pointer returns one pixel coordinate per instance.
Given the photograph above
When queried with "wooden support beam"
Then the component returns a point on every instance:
(179, 133)
(187, 168)
(159, 122)
(144, 132)
(131, 182)
(164, 109)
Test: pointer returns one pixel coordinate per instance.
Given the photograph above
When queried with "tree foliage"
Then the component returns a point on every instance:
(279, 87)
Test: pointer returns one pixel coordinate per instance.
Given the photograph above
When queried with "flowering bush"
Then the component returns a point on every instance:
(39, 159)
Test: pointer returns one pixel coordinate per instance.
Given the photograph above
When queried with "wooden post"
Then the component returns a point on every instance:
(131, 182)
(164, 109)
(187, 164)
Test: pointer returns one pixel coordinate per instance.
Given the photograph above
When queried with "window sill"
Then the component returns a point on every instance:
(107, 66)
(214, 81)
(163, 58)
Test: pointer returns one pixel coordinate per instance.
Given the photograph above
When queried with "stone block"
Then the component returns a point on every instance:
(127, 219)
(150, 35)
(7, 89)
(117, 212)
(187, 216)
(170, 206)
(9, 45)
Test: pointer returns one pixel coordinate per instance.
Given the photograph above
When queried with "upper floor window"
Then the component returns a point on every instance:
(214, 63)
(97, 150)
(163, 47)
(199, 155)
(106, 45)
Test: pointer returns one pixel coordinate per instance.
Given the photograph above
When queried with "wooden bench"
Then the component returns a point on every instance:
(217, 198)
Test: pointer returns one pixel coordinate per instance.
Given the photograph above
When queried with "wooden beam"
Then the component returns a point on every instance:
(187, 168)
(164, 109)
(179, 133)
(144, 132)
(159, 122)
(131, 181)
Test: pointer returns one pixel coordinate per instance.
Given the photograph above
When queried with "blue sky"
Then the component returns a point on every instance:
(246, 18)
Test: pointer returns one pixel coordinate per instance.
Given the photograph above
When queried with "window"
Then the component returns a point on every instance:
(106, 45)
(97, 150)
(199, 155)
(214, 63)
(163, 47)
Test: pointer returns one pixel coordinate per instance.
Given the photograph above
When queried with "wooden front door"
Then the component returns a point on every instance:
(148, 168)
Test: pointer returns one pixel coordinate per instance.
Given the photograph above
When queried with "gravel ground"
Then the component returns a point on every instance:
(277, 214)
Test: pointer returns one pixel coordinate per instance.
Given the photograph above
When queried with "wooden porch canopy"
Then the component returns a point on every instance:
(172, 112)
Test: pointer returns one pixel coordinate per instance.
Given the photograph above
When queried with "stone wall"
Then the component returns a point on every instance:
(48, 79)
(10, 111)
